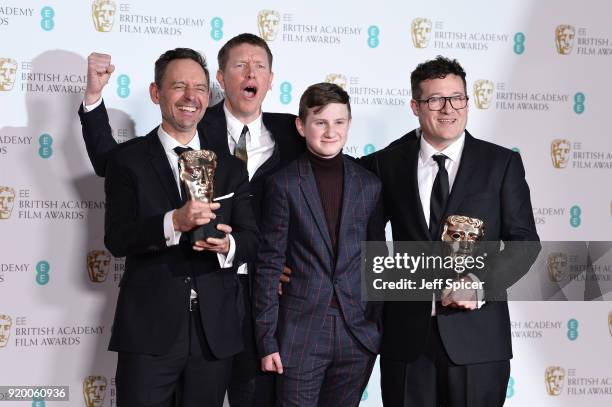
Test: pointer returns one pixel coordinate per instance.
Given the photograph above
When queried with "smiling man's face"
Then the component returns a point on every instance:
(246, 79)
(443, 127)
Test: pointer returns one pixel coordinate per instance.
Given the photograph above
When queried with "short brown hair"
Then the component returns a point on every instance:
(438, 68)
(244, 38)
(178, 53)
(319, 95)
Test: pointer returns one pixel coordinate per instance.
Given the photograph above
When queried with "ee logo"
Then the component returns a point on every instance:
(285, 96)
(373, 33)
(42, 272)
(575, 213)
(45, 150)
(519, 43)
(216, 28)
(47, 14)
(572, 329)
(579, 103)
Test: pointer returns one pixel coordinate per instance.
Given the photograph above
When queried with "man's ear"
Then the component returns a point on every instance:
(299, 126)
(414, 105)
(220, 79)
(154, 93)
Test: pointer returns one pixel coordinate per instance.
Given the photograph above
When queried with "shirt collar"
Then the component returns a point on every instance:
(234, 127)
(453, 151)
(168, 142)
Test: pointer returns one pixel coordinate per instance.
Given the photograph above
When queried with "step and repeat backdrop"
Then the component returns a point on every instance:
(538, 81)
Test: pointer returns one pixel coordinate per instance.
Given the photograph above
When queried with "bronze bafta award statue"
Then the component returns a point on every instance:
(462, 234)
(197, 173)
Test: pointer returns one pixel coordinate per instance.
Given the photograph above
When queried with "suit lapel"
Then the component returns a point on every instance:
(350, 195)
(311, 195)
(465, 175)
(162, 169)
(212, 130)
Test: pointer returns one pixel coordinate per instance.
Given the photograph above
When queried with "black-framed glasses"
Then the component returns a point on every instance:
(437, 103)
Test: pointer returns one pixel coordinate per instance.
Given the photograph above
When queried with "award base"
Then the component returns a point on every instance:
(209, 230)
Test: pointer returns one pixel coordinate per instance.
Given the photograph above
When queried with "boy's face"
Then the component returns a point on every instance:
(326, 131)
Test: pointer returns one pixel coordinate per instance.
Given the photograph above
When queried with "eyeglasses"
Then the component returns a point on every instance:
(437, 103)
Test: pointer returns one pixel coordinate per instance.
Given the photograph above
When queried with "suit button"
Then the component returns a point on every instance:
(187, 280)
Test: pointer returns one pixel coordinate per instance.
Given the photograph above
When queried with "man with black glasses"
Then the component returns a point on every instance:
(454, 352)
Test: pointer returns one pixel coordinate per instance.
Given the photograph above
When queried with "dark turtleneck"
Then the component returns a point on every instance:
(329, 176)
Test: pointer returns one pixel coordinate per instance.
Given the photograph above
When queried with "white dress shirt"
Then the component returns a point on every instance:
(259, 146)
(168, 143)
(259, 141)
(427, 169)
(173, 236)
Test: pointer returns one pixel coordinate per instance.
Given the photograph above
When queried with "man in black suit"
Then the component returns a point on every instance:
(454, 352)
(177, 321)
(270, 141)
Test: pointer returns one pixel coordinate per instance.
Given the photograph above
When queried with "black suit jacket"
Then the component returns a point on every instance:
(213, 127)
(154, 291)
(490, 185)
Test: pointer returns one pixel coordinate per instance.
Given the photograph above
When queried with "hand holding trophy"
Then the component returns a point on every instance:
(197, 173)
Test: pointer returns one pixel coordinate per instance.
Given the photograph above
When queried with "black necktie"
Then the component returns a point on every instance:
(439, 196)
(184, 196)
(240, 151)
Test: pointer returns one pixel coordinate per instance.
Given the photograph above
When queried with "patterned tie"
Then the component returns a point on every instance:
(184, 196)
(240, 151)
(439, 196)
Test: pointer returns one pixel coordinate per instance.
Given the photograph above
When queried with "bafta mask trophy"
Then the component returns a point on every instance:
(6, 322)
(554, 377)
(564, 38)
(462, 234)
(197, 173)
(560, 152)
(94, 390)
(557, 266)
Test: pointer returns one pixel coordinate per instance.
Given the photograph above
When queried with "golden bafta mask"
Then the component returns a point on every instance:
(483, 93)
(197, 173)
(103, 14)
(7, 201)
(98, 263)
(5, 329)
(556, 264)
(94, 390)
(268, 22)
(610, 322)
(564, 38)
(8, 72)
(420, 29)
(462, 234)
(337, 79)
(554, 377)
(560, 152)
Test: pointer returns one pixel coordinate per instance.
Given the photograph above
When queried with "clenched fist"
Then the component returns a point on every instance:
(99, 70)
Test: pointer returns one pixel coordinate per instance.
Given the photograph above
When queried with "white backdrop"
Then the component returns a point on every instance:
(55, 319)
